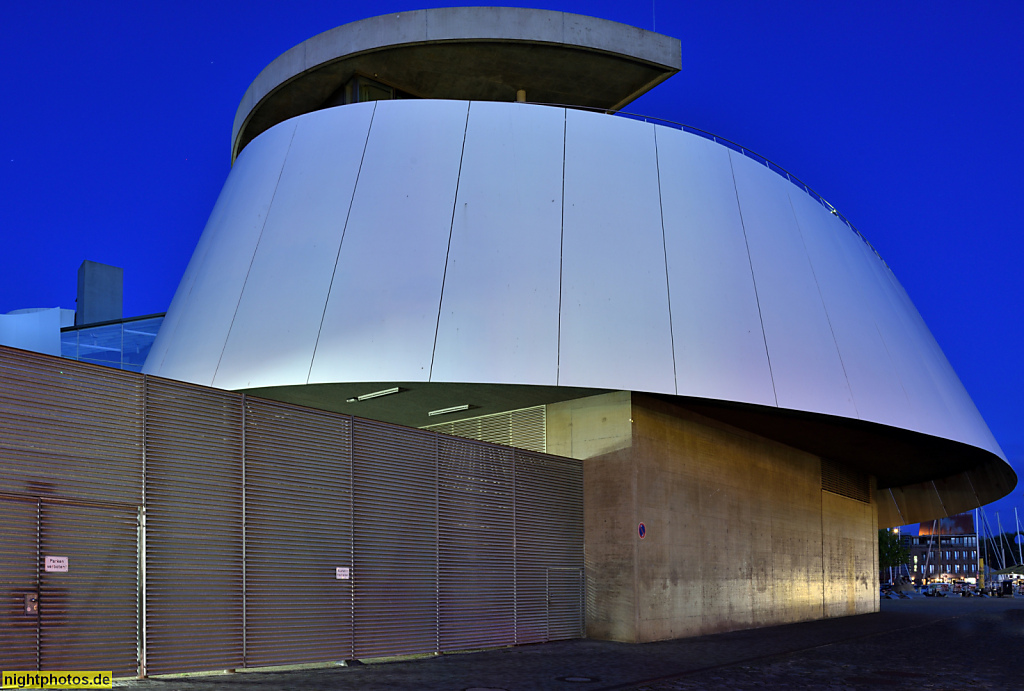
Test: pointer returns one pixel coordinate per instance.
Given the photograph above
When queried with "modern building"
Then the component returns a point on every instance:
(944, 550)
(439, 219)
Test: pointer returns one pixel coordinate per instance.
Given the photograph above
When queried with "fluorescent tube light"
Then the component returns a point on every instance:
(453, 409)
(375, 394)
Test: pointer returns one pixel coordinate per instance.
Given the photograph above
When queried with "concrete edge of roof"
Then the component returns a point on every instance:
(460, 24)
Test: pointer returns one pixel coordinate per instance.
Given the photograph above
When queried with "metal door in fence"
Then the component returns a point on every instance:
(68, 572)
(565, 596)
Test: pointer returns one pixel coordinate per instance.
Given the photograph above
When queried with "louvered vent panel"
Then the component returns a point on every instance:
(69, 429)
(549, 547)
(525, 428)
(477, 569)
(298, 532)
(88, 614)
(395, 528)
(194, 528)
(839, 479)
(18, 579)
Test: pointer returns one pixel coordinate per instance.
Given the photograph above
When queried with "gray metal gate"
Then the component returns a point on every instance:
(298, 535)
(19, 581)
(193, 529)
(67, 571)
(88, 587)
(395, 576)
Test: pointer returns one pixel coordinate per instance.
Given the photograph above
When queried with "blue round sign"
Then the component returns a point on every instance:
(642, 531)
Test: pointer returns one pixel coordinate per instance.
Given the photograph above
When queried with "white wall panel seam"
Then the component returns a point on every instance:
(895, 369)
(824, 307)
(664, 249)
(561, 248)
(447, 252)
(753, 279)
(341, 243)
(284, 162)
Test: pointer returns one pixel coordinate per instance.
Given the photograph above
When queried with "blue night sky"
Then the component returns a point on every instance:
(907, 117)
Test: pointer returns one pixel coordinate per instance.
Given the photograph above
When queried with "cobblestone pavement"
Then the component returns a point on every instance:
(925, 643)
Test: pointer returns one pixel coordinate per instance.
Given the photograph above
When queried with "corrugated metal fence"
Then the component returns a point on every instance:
(152, 526)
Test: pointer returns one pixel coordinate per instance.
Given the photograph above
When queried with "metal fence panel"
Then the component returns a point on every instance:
(88, 587)
(298, 535)
(69, 429)
(476, 541)
(193, 561)
(19, 584)
(525, 428)
(549, 535)
(395, 528)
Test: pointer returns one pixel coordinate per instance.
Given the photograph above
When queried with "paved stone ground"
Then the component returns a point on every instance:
(925, 643)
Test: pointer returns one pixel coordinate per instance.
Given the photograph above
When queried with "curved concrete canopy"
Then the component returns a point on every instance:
(505, 255)
(464, 53)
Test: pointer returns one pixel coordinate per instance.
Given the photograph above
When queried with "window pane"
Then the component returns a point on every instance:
(138, 340)
(100, 344)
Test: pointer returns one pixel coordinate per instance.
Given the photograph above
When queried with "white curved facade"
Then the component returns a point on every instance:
(501, 243)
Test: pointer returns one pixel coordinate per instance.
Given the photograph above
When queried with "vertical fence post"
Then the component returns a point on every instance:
(142, 601)
(245, 580)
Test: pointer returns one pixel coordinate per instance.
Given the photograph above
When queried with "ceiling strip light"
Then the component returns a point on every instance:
(375, 394)
(453, 409)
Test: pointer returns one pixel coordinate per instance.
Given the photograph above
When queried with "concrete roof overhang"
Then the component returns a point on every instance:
(464, 53)
(919, 476)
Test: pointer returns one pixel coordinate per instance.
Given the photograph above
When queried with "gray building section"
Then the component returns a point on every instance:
(100, 293)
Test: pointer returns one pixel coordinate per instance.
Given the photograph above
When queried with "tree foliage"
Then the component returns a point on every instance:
(891, 551)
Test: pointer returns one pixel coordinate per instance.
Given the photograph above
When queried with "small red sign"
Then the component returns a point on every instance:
(642, 531)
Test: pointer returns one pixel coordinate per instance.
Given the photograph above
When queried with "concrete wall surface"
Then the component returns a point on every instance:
(739, 533)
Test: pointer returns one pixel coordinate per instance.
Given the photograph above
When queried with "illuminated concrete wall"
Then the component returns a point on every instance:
(739, 532)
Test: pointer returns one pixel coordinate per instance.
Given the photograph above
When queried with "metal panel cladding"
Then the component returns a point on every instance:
(88, 603)
(615, 330)
(193, 560)
(201, 313)
(716, 325)
(289, 279)
(298, 534)
(395, 521)
(806, 367)
(504, 243)
(499, 311)
(381, 317)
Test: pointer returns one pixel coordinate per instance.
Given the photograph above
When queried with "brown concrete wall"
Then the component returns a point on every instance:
(739, 532)
(600, 428)
(850, 554)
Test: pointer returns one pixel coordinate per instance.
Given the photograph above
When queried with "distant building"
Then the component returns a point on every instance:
(944, 550)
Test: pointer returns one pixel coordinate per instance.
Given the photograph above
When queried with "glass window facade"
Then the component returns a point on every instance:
(122, 345)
